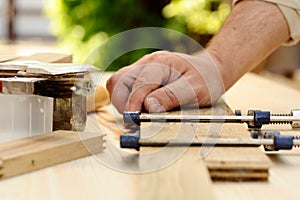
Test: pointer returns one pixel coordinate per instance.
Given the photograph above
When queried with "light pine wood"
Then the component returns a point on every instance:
(43, 57)
(238, 164)
(223, 163)
(5, 58)
(256, 92)
(49, 57)
(169, 173)
(186, 178)
(33, 153)
(89, 178)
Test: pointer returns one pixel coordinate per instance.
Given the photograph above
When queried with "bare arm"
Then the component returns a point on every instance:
(253, 30)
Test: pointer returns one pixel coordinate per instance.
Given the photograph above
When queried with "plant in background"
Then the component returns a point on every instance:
(80, 25)
(201, 17)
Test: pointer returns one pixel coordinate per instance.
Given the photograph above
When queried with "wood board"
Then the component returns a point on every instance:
(184, 176)
(43, 57)
(49, 57)
(33, 153)
(6, 58)
(96, 180)
(223, 163)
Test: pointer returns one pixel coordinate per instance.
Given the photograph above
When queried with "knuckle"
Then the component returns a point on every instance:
(171, 97)
(110, 84)
(157, 56)
(168, 98)
(139, 83)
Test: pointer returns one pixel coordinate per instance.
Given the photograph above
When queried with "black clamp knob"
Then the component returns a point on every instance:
(281, 142)
(259, 118)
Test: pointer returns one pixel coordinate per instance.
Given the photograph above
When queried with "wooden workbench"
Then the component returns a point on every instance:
(90, 178)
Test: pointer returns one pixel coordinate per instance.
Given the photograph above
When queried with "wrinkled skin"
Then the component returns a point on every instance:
(163, 80)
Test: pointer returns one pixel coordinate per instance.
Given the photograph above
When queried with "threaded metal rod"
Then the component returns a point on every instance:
(209, 118)
(210, 142)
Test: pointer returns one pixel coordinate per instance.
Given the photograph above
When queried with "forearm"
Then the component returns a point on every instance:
(253, 31)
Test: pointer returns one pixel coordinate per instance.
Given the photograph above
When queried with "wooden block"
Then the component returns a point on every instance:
(42, 57)
(238, 164)
(49, 57)
(33, 153)
(6, 58)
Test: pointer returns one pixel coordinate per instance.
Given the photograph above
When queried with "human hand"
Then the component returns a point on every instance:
(163, 80)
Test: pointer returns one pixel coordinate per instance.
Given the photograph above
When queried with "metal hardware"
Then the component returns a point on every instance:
(254, 119)
(272, 141)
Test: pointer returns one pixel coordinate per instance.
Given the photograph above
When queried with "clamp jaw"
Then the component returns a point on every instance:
(280, 142)
(132, 122)
(255, 119)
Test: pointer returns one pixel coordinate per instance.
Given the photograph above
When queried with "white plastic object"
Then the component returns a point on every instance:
(24, 116)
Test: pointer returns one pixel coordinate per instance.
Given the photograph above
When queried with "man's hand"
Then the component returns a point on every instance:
(164, 80)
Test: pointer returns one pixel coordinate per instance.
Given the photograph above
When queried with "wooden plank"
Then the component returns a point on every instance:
(169, 173)
(5, 58)
(223, 163)
(238, 164)
(43, 57)
(228, 164)
(186, 178)
(29, 154)
(49, 57)
(256, 92)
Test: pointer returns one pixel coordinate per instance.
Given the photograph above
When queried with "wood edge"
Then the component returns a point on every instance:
(29, 160)
(74, 148)
(49, 57)
(238, 166)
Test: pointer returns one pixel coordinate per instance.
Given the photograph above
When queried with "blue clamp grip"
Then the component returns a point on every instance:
(283, 142)
(259, 118)
(130, 140)
(132, 118)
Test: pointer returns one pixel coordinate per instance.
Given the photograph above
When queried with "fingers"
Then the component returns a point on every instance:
(119, 86)
(129, 86)
(164, 80)
(151, 77)
(175, 94)
(200, 85)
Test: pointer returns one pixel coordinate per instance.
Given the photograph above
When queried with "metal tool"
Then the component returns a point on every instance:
(271, 140)
(255, 119)
(68, 84)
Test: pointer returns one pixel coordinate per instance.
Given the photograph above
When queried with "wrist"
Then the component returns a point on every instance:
(227, 75)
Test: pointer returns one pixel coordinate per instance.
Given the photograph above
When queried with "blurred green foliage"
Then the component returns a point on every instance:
(81, 25)
(201, 17)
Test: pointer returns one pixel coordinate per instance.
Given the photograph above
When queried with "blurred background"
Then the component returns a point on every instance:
(77, 27)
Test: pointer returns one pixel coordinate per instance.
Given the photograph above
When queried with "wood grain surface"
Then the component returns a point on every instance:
(93, 178)
(43, 57)
(49, 57)
(33, 153)
(223, 163)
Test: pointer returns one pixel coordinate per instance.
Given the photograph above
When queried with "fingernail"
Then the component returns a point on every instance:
(154, 105)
